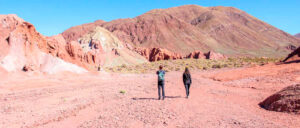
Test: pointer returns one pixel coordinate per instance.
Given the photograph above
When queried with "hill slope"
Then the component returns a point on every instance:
(190, 28)
(297, 35)
(187, 28)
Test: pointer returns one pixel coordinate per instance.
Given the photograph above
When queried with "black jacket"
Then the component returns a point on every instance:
(187, 78)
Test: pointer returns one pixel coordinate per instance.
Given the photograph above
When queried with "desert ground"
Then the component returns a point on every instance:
(219, 98)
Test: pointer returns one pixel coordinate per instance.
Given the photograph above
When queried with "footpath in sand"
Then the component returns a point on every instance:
(219, 98)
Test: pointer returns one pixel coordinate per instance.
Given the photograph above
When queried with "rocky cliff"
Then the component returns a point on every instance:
(23, 48)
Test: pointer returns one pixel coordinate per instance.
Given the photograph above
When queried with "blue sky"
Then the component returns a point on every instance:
(51, 17)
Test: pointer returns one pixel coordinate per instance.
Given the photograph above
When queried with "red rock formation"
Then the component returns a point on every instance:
(156, 54)
(196, 55)
(286, 100)
(27, 50)
(214, 56)
(209, 55)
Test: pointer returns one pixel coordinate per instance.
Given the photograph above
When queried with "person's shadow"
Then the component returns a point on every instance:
(170, 97)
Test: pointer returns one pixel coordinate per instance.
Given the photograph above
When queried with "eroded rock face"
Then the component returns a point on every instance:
(209, 55)
(87, 46)
(196, 55)
(28, 50)
(103, 48)
(286, 100)
(214, 56)
(157, 54)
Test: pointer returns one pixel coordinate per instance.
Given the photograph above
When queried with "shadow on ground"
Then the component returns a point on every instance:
(170, 97)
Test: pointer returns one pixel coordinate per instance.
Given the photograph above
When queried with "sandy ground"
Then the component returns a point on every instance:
(219, 98)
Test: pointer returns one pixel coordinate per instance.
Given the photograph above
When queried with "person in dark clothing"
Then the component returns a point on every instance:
(161, 82)
(187, 81)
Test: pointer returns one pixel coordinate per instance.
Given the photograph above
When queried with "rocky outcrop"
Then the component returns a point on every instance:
(196, 55)
(87, 46)
(101, 47)
(209, 55)
(214, 56)
(24, 49)
(293, 56)
(286, 100)
(157, 54)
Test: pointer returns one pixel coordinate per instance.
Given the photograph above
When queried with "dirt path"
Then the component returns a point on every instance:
(93, 100)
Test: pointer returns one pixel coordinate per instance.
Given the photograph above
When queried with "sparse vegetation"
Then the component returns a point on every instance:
(122, 91)
(194, 64)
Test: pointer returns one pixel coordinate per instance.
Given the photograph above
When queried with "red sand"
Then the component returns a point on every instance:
(219, 98)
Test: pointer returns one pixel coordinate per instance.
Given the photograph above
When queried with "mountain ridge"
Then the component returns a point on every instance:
(189, 31)
(190, 28)
(297, 35)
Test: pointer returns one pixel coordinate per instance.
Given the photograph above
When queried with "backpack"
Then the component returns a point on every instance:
(161, 75)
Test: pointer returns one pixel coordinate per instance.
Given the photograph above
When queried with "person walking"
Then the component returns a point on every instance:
(187, 81)
(161, 82)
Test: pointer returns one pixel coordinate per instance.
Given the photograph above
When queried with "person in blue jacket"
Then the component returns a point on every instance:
(161, 82)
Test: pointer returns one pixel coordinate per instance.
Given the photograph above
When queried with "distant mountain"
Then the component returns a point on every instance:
(185, 29)
(297, 35)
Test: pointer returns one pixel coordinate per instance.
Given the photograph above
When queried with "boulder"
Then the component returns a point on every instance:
(286, 100)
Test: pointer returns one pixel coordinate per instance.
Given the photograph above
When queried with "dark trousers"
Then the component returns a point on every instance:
(187, 88)
(161, 86)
